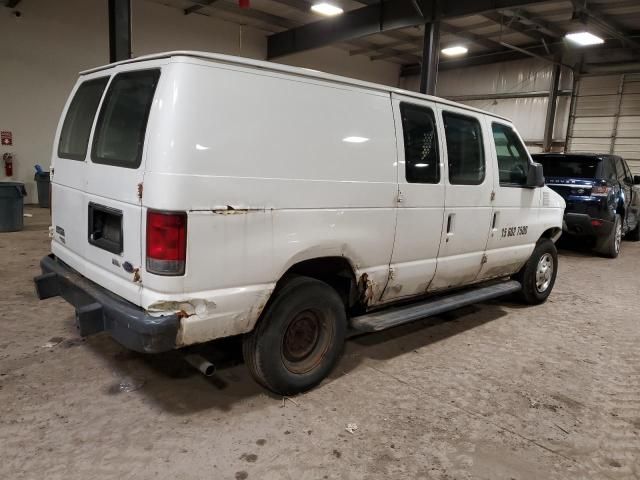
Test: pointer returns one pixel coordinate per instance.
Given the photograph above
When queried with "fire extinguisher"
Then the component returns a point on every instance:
(8, 164)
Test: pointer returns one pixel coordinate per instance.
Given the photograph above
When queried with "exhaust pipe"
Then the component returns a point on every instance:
(200, 363)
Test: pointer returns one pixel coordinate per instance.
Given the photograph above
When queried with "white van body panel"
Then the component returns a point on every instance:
(257, 196)
(274, 166)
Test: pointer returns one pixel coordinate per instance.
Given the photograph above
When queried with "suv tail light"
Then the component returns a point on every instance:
(600, 190)
(166, 242)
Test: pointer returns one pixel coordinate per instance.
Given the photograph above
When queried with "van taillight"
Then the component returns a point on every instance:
(166, 242)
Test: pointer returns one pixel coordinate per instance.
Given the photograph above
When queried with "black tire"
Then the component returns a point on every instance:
(534, 290)
(610, 245)
(298, 339)
(634, 235)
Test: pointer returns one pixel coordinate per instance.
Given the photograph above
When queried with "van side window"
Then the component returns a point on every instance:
(422, 162)
(464, 149)
(122, 122)
(513, 160)
(76, 128)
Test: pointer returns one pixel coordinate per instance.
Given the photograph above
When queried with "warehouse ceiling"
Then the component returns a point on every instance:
(393, 31)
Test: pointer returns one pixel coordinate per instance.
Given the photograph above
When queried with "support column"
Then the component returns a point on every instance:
(430, 57)
(551, 109)
(119, 30)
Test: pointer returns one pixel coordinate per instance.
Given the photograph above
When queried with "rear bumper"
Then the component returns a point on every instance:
(580, 224)
(99, 310)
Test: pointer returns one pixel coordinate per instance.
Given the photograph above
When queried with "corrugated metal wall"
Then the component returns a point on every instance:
(605, 117)
(528, 76)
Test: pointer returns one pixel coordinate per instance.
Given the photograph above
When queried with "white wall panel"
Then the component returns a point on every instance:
(607, 117)
(520, 76)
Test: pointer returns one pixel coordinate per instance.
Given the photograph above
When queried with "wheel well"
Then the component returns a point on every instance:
(552, 233)
(335, 271)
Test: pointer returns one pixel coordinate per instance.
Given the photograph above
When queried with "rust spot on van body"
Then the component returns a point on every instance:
(230, 210)
(184, 308)
(366, 289)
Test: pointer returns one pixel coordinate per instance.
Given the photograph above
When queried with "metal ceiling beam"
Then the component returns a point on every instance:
(470, 36)
(389, 49)
(516, 26)
(474, 60)
(539, 24)
(377, 18)
(536, 55)
(385, 51)
(198, 4)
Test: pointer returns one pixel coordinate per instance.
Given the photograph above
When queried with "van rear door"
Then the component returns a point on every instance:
(100, 210)
(69, 172)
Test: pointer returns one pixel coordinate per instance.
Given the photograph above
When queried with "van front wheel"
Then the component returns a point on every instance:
(299, 338)
(538, 275)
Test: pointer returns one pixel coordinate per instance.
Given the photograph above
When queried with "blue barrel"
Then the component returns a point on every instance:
(11, 206)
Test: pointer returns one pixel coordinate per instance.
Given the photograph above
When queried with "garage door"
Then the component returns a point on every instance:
(605, 117)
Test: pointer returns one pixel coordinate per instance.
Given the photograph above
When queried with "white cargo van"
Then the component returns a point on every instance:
(198, 196)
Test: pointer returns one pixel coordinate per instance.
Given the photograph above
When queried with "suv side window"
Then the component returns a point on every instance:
(422, 161)
(76, 128)
(609, 170)
(622, 173)
(513, 160)
(464, 149)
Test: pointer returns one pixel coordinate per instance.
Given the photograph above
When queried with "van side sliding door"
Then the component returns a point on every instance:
(420, 198)
(469, 187)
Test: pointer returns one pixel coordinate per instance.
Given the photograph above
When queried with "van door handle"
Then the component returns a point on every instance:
(494, 222)
(450, 225)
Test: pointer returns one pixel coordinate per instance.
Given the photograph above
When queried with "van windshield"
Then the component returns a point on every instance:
(122, 123)
(568, 166)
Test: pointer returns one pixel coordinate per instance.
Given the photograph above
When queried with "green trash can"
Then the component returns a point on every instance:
(43, 180)
(11, 206)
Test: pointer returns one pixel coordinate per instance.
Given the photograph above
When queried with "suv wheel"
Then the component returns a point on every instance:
(538, 275)
(610, 246)
(299, 338)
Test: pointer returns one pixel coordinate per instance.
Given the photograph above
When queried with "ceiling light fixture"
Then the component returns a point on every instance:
(455, 51)
(584, 38)
(327, 9)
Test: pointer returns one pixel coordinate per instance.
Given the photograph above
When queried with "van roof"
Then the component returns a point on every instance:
(299, 71)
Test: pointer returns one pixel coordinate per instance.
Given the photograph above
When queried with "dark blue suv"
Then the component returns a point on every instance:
(603, 201)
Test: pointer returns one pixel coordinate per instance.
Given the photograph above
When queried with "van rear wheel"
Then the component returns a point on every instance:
(300, 337)
(538, 275)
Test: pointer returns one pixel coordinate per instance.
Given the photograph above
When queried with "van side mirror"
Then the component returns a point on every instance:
(535, 176)
(636, 179)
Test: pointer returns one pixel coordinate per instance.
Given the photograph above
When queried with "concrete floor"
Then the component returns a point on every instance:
(496, 391)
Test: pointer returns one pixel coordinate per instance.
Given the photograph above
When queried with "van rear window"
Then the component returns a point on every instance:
(566, 166)
(122, 122)
(76, 128)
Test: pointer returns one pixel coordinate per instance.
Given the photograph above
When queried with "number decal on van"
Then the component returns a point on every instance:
(514, 231)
